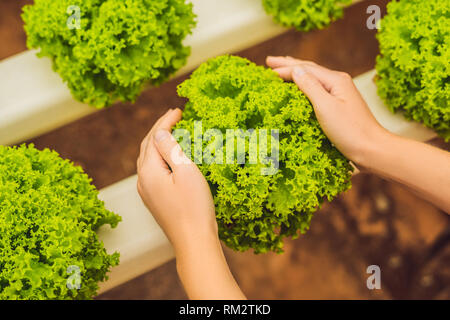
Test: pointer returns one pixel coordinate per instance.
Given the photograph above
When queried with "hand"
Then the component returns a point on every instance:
(178, 196)
(176, 193)
(347, 121)
(341, 111)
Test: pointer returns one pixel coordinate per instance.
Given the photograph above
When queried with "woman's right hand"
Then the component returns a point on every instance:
(347, 121)
(340, 109)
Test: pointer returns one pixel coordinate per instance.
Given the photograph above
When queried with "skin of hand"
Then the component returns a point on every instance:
(340, 109)
(176, 193)
(347, 121)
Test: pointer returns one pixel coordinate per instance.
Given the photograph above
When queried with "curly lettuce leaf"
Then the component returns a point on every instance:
(414, 63)
(120, 47)
(305, 15)
(256, 211)
(49, 212)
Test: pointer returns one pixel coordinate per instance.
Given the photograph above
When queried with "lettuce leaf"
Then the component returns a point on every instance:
(49, 212)
(414, 63)
(120, 47)
(305, 15)
(256, 211)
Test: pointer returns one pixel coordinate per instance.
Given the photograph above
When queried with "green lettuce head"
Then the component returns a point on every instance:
(414, 62)
(108, 50)
(49, 213)
(257, 208)
(305, 15)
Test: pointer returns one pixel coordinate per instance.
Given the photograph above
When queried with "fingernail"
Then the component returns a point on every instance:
(299, 71)
(161, 135)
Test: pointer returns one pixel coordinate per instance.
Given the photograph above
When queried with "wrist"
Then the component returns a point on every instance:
(376, 150)
(371, 147)
(198, 243)
(190, 233)
(204, 272)
(204, 250)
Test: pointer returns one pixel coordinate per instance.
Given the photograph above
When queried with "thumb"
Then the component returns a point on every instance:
(310, 86)
(170, 150)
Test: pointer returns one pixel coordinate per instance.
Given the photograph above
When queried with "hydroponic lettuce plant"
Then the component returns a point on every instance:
(305, 15)
(256, 210)
(49, 213)
(119, 47)
(414, 62)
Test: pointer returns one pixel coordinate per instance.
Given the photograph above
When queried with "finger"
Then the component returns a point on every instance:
(284, 72)
(170, 120)
(152, 130)
(287, 73)
(155, 161)
(146, 140)
(311, 87)
(152, 159)
(277, 62)
(166, 124)
(335, 82)
(332, 80)
(170, 150)
(164, 116)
